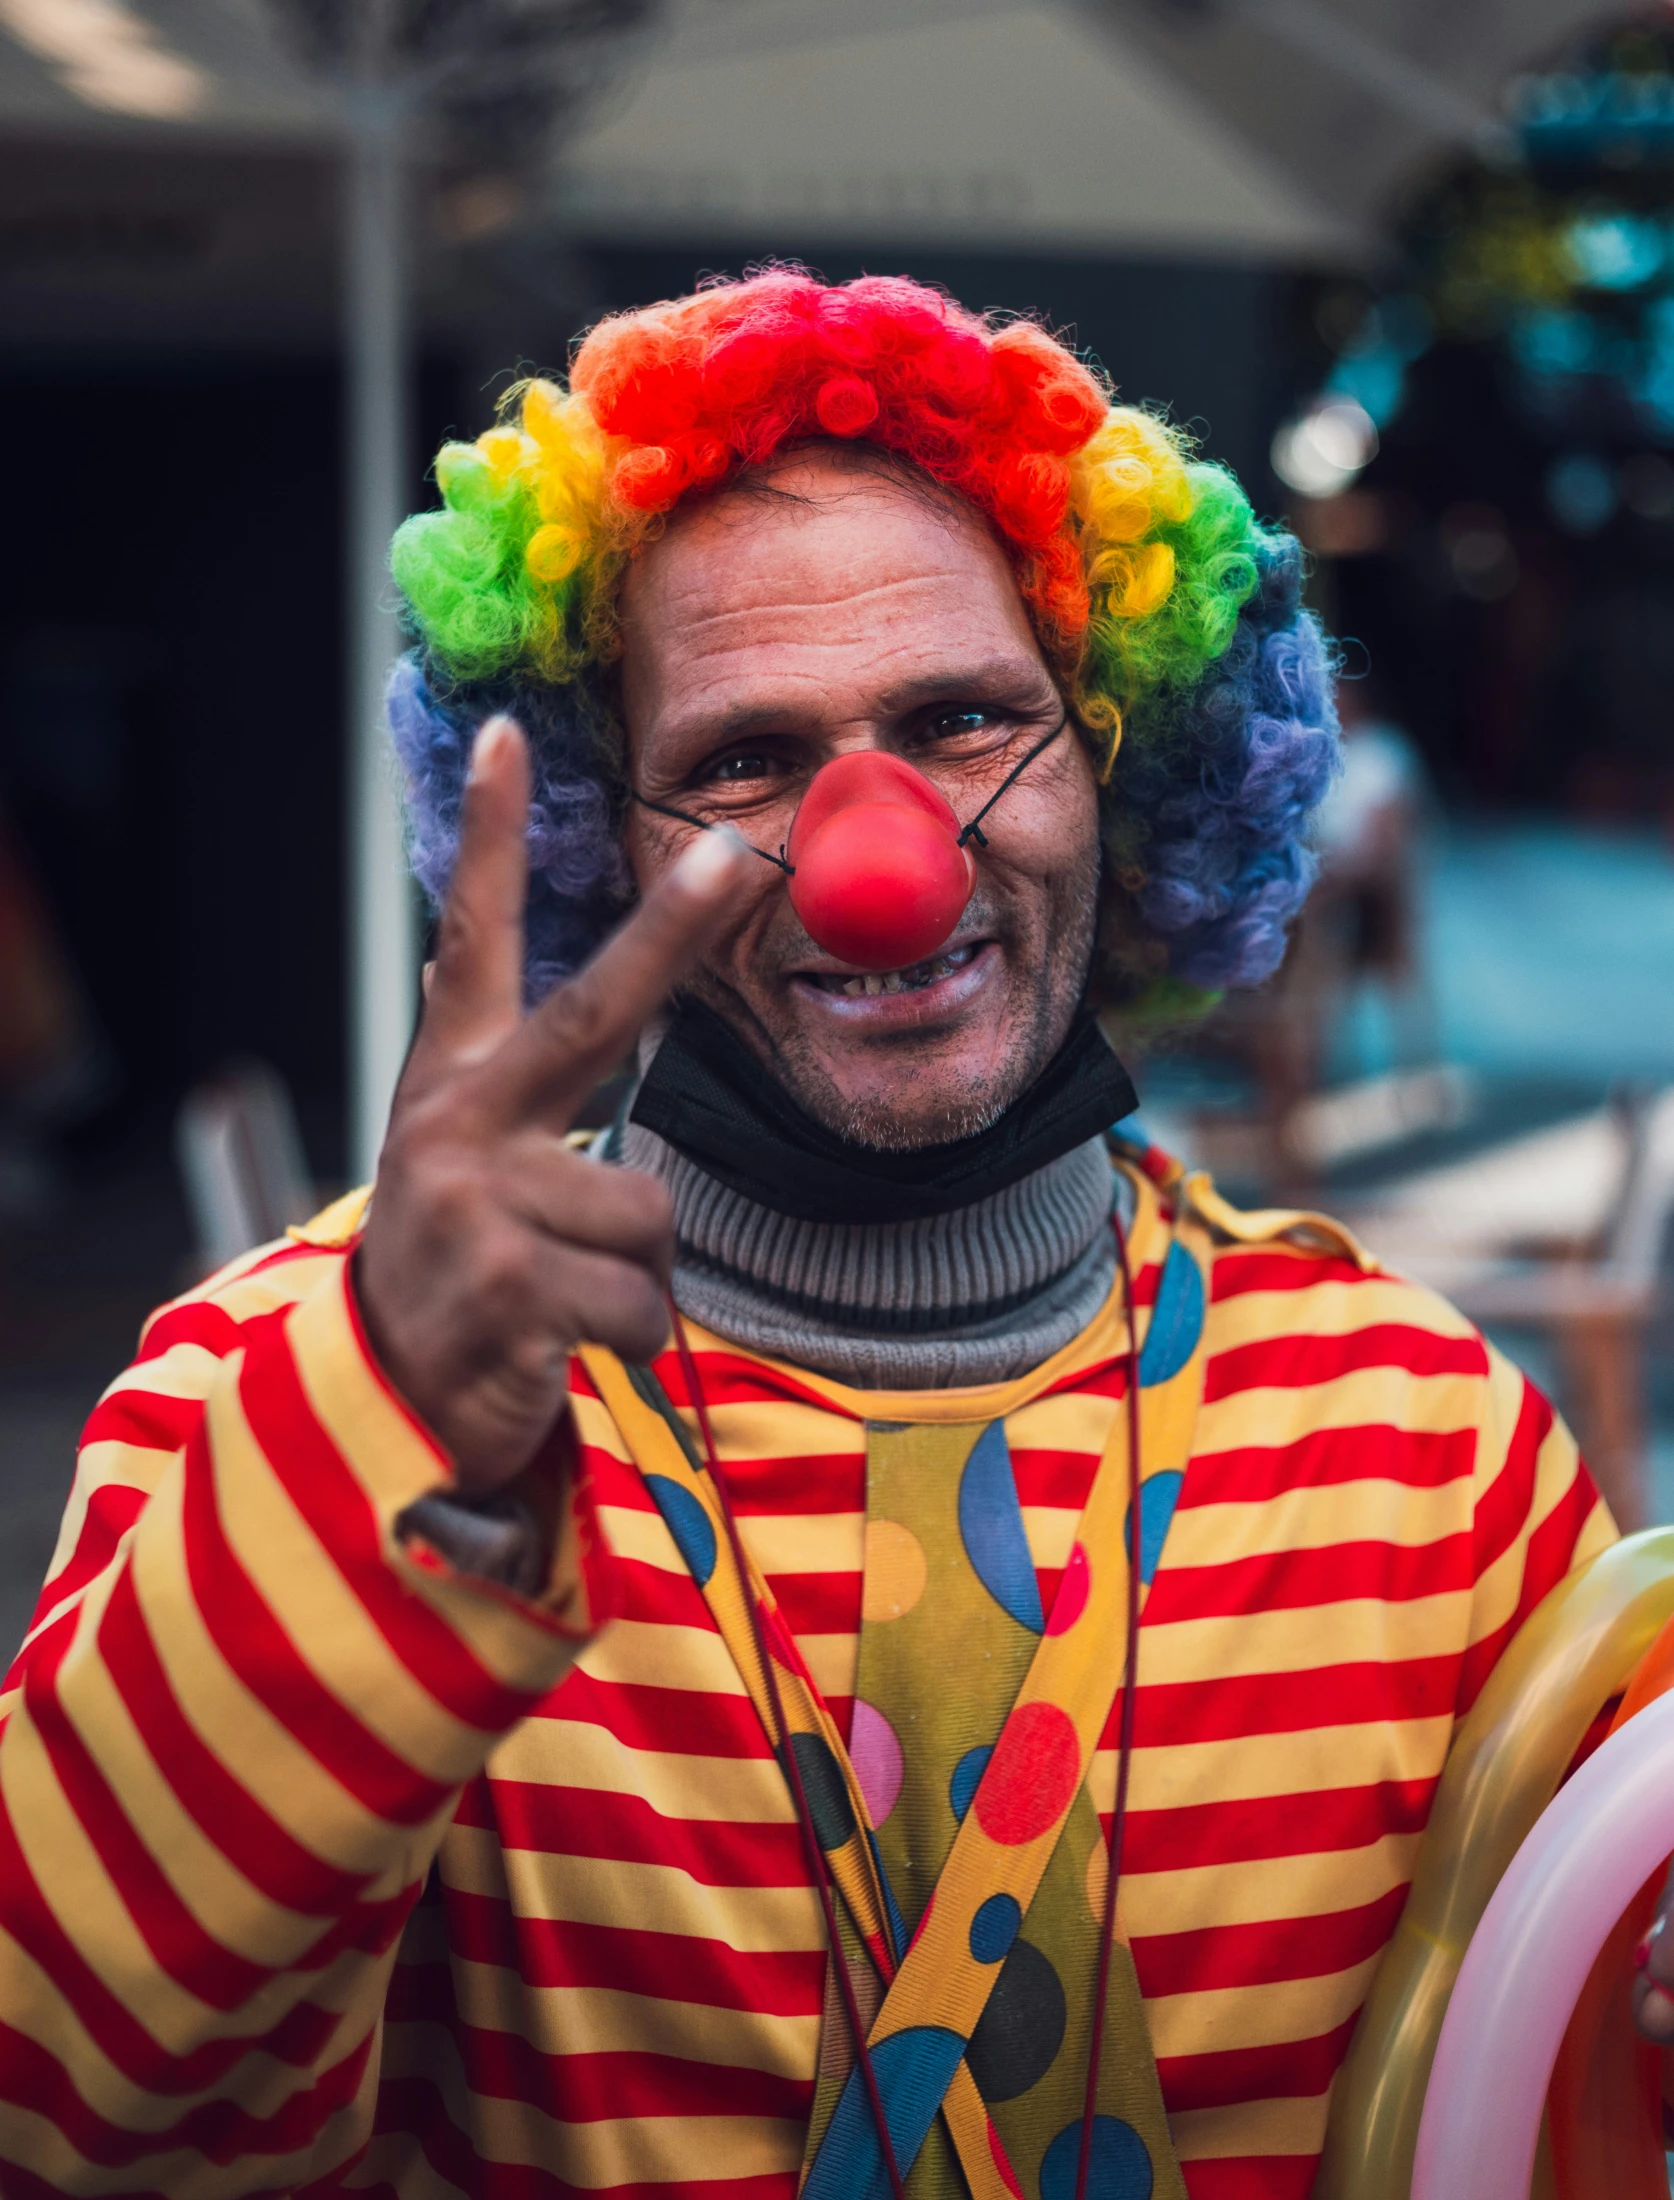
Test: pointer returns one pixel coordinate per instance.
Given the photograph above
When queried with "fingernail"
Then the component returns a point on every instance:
(491, 732)
(711, 857)
(1642, 1954)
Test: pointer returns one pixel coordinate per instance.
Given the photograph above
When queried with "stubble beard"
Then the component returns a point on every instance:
(929, 1106)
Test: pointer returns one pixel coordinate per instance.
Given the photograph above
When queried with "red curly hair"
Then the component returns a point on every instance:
(725, 379)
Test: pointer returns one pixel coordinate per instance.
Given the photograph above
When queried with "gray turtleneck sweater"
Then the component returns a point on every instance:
(976, 1296)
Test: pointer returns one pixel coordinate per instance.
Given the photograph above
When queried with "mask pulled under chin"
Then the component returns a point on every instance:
(712, 1100)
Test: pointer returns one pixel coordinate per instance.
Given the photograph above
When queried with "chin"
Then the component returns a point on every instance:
(881, 1122)
(923, 1091)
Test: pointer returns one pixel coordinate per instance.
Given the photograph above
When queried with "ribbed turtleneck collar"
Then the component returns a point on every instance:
(977, 1295)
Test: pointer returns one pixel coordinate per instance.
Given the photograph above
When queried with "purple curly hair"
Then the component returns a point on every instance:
(578, 877)
(1210, 811)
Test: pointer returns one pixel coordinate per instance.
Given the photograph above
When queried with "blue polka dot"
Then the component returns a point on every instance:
(1176, 1319)
(995, 1927)
(967, 1777)
(991, 1523)
(1118, 2166)
(914, 2069)
(1158, 1495)
(691, 1527)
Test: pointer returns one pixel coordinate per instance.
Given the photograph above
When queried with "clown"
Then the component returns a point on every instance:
(857, 1631)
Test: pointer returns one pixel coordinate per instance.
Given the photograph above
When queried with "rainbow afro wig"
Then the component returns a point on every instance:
(1171, 618)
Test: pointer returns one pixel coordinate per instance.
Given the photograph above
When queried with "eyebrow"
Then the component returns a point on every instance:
(997, 676)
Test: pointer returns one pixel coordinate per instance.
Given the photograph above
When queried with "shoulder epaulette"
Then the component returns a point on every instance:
(1195, 1188)
(335, 1225)
(1298, 1226)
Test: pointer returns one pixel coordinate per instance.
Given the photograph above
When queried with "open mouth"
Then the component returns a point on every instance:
(911, 980)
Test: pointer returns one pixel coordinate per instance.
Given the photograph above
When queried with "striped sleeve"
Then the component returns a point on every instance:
(230, 1745)
(1536, 1514)
(1375, 1503)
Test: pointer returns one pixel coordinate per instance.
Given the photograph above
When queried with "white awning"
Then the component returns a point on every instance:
(1277, 130)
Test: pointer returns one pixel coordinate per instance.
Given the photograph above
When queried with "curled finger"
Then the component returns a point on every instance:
(623, 1212)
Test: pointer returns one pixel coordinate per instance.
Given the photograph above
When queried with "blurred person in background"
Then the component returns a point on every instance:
(1360, 925)
(1365, 830)
(51, 1062)
(475, 1741)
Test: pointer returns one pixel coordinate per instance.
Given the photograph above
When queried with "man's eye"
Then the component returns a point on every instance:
(950, 725)
(747, 764)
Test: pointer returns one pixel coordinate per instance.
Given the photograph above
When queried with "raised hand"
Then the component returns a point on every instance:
(492, 1249)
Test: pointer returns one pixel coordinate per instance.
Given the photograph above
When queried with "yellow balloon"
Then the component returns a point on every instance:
(1575, 1650)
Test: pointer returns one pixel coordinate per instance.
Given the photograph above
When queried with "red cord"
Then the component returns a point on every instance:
(813, 1853)
(1124, 1747)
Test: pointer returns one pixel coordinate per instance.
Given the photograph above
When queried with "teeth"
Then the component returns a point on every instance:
(902, 981)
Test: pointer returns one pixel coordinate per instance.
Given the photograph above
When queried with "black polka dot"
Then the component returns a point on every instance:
(1021, 2029)
(827, 1793)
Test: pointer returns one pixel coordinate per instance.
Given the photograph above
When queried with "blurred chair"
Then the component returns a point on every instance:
(1561, 1233)
(241, 1157)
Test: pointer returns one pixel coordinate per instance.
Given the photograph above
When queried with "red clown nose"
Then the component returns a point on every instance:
(878, 876)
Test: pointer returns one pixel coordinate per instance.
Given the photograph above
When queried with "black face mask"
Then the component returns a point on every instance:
(713, 1101)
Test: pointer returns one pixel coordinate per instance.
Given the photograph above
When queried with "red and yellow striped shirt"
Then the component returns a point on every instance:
(328, 1869)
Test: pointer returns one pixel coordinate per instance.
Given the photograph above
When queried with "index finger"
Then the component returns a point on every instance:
(580, 1033)
(474, 994)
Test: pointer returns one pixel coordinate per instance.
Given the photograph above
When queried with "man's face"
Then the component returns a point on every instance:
(772, 629)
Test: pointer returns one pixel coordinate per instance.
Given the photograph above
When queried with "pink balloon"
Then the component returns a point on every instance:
(1597, 1842)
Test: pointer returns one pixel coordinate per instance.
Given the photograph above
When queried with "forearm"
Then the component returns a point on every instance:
(225, 1776)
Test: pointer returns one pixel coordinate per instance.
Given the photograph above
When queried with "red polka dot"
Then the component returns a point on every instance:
(1071, 1600)
(1008, 2176)
(1032, 1777)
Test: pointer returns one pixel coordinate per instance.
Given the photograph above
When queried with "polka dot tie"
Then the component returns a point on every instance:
(952, 1619)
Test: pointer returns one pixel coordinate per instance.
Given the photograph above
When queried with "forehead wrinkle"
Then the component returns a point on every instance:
(734, 607)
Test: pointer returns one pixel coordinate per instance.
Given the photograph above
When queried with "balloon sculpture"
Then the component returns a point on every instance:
(1549, 1902)
(1528, 1963)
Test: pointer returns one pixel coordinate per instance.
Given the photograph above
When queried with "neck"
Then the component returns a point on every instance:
(978, 1295)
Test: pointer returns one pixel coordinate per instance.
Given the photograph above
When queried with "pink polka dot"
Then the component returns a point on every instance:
(875, 1755)
(1032, 1777)
(1071, 1600)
